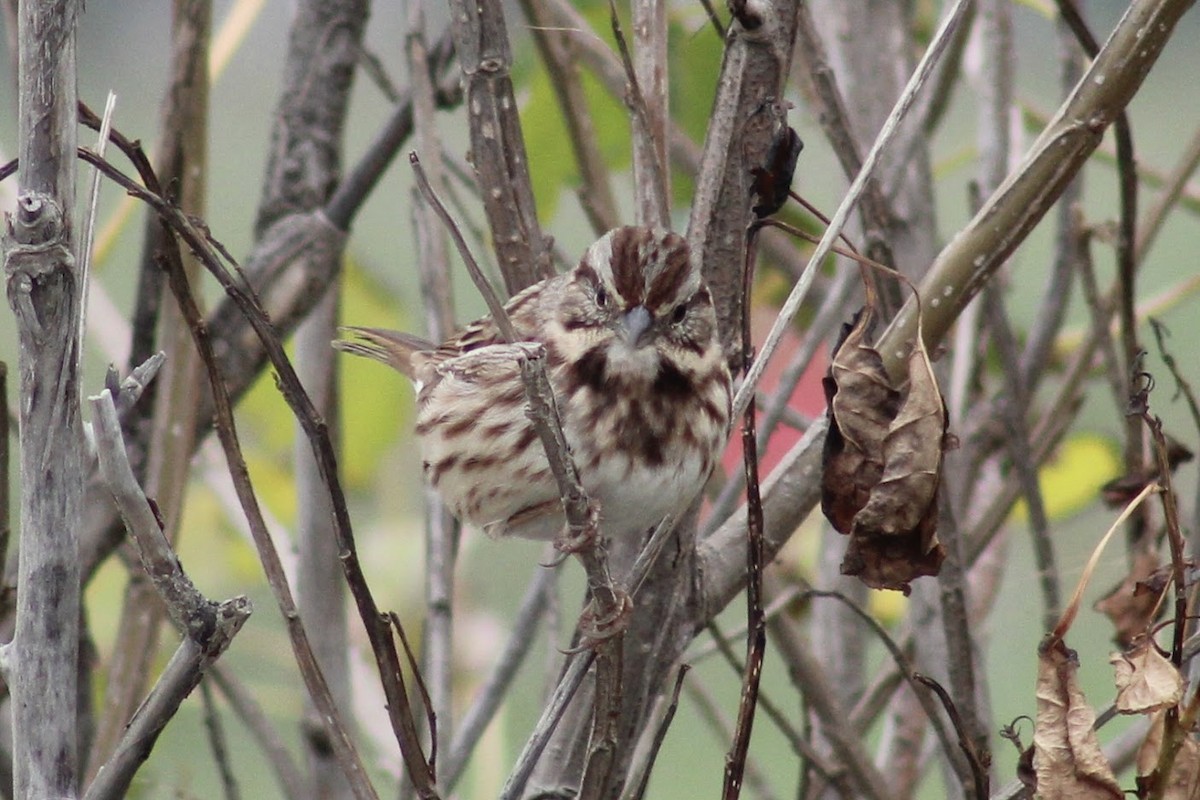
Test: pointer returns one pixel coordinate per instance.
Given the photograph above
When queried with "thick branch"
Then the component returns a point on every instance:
(497, 146)
(44, 293)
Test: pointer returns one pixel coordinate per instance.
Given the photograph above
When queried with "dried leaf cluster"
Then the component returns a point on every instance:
(1066, 757)
(883, 459)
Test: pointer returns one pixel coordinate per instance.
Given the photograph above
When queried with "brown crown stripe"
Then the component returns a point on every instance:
(626, 264)
(676, 266)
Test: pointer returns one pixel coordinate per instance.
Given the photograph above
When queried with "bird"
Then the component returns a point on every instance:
(640, 381)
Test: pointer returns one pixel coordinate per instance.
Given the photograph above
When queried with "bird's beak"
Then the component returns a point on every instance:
(634, 324)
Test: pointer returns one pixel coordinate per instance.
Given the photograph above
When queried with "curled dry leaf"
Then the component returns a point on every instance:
(1134, 604)
(861, 404)
(1184, 783)
(1146, 680)
(883, 460)
(1067, 757)
(1121, 490)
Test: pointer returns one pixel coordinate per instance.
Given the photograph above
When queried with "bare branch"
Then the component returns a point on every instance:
(209, 627)
(558, 52)
(43, 281)
(497, 146)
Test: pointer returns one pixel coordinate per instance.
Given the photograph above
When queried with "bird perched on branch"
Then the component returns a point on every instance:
(639, 379)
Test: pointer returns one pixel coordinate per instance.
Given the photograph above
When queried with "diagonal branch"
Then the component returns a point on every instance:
(208, 627)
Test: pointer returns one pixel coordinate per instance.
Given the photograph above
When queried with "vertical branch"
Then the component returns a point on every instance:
(43, 290)
(5, 473)
(497, 146)
(170, 435)
(652, 184)
(558, 52)
(323, 52)
(745, 115)
(1049, 319)
(433, 265)
(756, 630)
(320, 585)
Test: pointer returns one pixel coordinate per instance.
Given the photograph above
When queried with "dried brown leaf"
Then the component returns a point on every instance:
(1146, 680)
(1184, 782)
(1067, 756)
(1121, 490)
(893, 537)
(891, 562)
(862, 403)
(1131, 606)
(912, 453)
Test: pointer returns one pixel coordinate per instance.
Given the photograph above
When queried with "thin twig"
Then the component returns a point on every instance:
(902, 660)
(965, 740)
(89, 224)
(756, 627)
(1049, 318)
(287, 772)
(800, 744)
(5, 497)
(822, 700)
(557, 51)
(1173, 188)
(660, 735)
(709, 712)
(216, 742)
(491, 693)
(1182, 385)
(1012, 412)
(568, 685)
(442, 531)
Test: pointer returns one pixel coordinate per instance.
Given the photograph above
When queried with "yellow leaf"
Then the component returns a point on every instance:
(1072, 480)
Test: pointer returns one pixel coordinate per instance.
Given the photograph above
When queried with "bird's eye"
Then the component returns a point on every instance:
(679, 313)
(601, 298)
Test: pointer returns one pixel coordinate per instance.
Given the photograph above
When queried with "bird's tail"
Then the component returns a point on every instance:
(393, 348)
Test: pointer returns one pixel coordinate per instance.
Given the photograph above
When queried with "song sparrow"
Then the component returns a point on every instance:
(639, 379)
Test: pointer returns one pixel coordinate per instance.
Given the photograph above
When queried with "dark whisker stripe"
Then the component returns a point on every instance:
(588, 371)
(671, 382)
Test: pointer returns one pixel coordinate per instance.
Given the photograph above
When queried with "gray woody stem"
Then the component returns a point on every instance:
(208, 627)
(746, 114)
(497, 147)
(41, 662)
